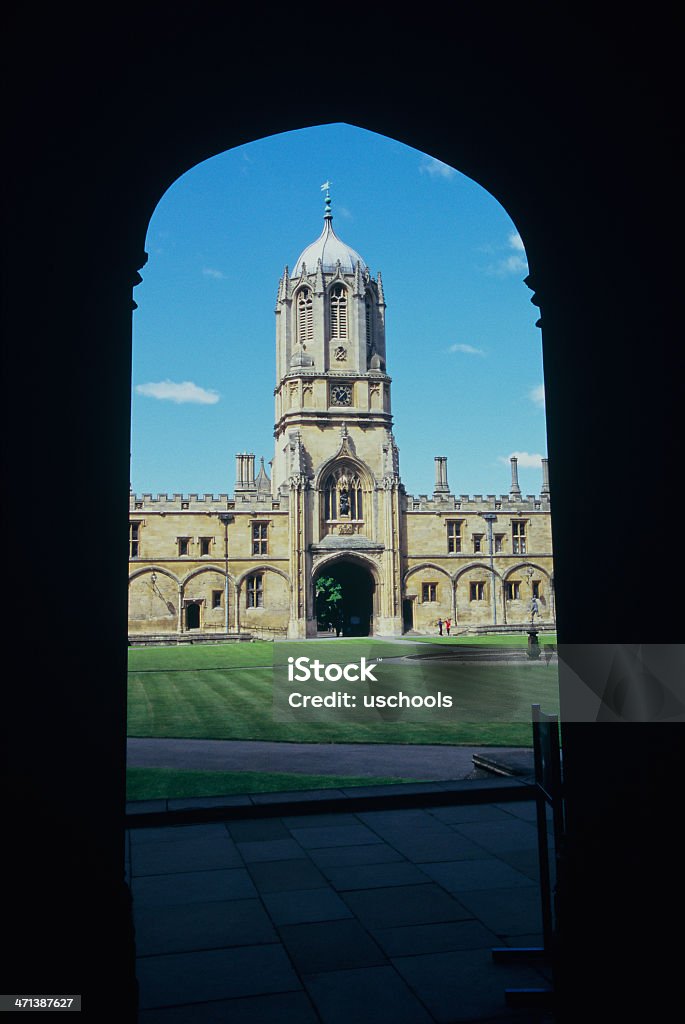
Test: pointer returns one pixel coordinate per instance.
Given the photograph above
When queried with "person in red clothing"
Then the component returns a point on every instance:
(448, 623)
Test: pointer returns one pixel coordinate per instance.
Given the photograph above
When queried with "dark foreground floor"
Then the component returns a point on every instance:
(335, 918)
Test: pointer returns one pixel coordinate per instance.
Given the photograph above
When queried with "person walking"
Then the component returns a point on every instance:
(440, 626)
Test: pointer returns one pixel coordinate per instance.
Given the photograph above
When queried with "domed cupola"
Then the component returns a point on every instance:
(329, 249)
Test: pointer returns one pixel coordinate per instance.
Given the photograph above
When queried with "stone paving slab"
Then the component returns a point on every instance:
(500, 835)
(525, 861)
(410, 904)
(428, 847)
(285, 875)
(471, 875)
(174, 833)
(434, 938)
(471, 813)
(256, 831)
(203, 852)
(330, 946)
(513, 911)
(270, 849)
(282, 1008)
(334, 835)
(463, 986)
(192, 926)
(192, 887)
(365, 996)
(340, 856)
(372, 876)
(300, 906)
(214, 974)
(403, 822)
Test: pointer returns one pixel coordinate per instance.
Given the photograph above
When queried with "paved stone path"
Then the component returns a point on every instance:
(429, 762)
(386, 915)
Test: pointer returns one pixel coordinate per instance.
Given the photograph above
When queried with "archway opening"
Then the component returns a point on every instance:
(193, 615)
(350, 613)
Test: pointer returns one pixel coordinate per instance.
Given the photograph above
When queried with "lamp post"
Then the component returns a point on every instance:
(226, 518)
(533, 642)
(491, 518)
(529, 573)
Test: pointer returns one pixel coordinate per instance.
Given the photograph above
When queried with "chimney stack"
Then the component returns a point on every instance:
(515, 488)
(441, 485)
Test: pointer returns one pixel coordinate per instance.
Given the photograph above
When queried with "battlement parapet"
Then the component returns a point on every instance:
(448, 504)
(207, 503)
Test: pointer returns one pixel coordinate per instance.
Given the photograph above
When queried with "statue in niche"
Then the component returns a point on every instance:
(344, 503)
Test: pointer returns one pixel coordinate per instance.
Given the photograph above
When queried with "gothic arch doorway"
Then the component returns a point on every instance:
(193, 615)
(353, 615)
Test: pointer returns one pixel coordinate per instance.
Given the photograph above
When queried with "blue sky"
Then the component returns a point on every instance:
(462, 347)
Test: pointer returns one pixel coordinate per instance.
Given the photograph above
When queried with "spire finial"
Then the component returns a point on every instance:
(326, 187)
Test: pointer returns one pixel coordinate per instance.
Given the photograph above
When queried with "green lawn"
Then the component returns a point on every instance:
(226, 691)
(169, 783)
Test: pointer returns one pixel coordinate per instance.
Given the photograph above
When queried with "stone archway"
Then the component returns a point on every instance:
(356, 614)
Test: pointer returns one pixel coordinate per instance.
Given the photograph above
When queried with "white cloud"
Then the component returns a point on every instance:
(171, 391)
(526, 460)
(468, 349)
(436, 168)
(537, 395)
(218, 275)
(515, 263)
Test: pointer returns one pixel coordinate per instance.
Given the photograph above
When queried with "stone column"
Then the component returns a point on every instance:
(544, 490)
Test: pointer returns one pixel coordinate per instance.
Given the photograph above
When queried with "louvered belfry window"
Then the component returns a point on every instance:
(305, 316)
(338, 305)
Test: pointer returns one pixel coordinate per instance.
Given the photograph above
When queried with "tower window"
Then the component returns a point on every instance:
(217, 598)
(183, 545)
(429, 592)
(477, 542)
(512, 590)
(305, 316)
(255, 591)
(338, 308)
(205, 545)
(477, 591)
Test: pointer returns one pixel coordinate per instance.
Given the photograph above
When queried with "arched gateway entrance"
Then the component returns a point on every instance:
(353, 613)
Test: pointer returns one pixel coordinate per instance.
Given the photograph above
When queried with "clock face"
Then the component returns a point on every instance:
(341, 394)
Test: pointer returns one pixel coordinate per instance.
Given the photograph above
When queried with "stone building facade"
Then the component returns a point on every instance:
(335, 506)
